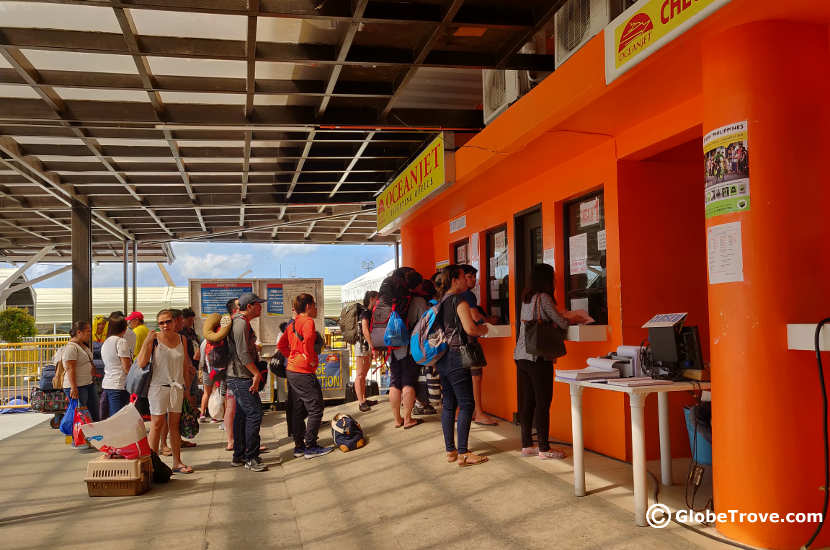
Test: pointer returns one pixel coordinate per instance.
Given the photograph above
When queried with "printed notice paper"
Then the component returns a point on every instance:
(601, 243)
(726, 260)
(579, 253)
(548, 258)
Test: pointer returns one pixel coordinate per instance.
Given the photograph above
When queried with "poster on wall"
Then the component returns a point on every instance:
(214, 296)
(578, 245)
(726, 260)
(474, 255)
(275, 299)
(726, 166)
(589, 212)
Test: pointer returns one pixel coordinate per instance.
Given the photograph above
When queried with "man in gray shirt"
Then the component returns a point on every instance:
(243, 380)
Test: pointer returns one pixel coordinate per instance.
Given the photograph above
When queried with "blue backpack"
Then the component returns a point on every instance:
(347, 433)
(395, 335)
(428, 343)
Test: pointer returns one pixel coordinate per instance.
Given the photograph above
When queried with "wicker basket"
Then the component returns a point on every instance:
(106, 477)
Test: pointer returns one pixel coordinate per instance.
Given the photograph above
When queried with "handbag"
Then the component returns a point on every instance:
(139, 378)
(543, 338)
(472, 354)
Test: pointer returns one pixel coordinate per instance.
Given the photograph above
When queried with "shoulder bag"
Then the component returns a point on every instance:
(543, 338)
(139, 378)
(472, 354)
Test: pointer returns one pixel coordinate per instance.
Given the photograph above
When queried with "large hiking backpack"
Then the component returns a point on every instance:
(428, 342)
(380, 319)
(350, 322)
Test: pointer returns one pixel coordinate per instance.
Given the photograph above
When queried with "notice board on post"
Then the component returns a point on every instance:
(211, 295)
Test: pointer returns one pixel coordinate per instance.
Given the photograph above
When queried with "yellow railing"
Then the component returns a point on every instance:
(20, 366)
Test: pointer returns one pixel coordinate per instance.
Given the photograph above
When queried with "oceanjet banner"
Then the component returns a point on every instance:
(646, 27)
(429, 172)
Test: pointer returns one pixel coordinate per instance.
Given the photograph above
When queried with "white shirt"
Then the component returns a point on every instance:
(83, 364)
(131, 338)
(168, 365)
(113, 349)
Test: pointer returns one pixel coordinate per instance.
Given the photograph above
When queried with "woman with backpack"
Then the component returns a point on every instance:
(78, 368)
(364, 351)
(535, 374)
(456, 380)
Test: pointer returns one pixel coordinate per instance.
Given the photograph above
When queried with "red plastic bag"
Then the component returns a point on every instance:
(82, 417)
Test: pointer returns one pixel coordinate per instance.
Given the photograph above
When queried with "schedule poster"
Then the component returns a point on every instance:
(215, 296)
(275, 299)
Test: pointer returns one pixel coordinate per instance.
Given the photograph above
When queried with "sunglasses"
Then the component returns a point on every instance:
(161, 323)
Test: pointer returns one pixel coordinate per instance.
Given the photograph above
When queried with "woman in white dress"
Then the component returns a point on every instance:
(170, 379)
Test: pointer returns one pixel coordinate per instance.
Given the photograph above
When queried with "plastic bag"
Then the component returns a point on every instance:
(189, 422)
(82, 418)
(122, 434)
(395, 335)
(216, 404)
(69, 417)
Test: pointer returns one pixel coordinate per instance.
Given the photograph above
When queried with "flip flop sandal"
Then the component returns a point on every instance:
(188, 444)
(398, 425)
(452, 456)
(166, 452)
(418, 422)
(480, 423)
(183, 470)
(471, 459)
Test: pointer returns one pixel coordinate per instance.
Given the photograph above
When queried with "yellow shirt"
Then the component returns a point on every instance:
(141, 332)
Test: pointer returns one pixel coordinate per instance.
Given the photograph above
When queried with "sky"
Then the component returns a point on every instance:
(336, 264)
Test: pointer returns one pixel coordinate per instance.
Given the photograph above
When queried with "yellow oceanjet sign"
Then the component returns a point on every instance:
(418, 180)
(646, 27)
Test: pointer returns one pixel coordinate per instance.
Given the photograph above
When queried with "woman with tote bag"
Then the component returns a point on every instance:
(541, 331)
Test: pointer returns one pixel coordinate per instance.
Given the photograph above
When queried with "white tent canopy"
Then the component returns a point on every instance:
(354, 290)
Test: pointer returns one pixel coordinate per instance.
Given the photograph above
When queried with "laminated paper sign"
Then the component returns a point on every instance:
(589, 212)
(726, 166)
(579, 253)
(601, 243)
(275, 300)
(214, 296)
(726, 259)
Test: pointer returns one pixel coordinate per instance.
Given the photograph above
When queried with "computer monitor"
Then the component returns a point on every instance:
(664, 343)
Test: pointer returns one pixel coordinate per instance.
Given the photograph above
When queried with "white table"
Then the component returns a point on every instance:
(637, 398)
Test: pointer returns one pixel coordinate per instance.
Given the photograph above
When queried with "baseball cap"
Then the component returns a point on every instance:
(135, 315)
(249, 298)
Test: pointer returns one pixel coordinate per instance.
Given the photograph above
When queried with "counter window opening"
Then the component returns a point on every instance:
(496, 275)
(585, 248)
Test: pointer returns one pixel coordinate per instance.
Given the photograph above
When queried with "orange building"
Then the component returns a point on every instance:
(629, 155)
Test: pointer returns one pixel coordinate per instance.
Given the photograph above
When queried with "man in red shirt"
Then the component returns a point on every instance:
(297, 345)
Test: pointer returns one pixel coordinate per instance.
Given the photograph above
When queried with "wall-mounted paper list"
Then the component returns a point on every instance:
(726, 259)
(578, 248)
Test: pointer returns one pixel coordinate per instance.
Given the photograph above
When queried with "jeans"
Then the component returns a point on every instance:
(308, 399)
(88, 397)
(116, 400)
(535, 390)
(457, 388)
(246, 421)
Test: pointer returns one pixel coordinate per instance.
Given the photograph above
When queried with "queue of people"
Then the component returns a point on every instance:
(180, 361)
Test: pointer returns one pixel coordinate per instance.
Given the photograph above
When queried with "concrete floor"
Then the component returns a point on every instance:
(398, 492)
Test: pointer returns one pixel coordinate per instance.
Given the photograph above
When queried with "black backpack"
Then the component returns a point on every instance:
(161, 471)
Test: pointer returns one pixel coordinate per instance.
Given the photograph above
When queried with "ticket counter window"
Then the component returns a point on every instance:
(498, 275)
(585, 247)
(461, 252)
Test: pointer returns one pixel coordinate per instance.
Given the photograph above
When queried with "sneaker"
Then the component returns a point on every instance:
(530, 451)
(364, 407)
(204, 419)
(255, 465)
(315, 451)
(551, 454)
(299, 452)
(428, 409)
(371, 402)
(216, 421)
(237, 463)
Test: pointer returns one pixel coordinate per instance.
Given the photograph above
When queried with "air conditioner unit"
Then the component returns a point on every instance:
(578, 21)
(501, 89)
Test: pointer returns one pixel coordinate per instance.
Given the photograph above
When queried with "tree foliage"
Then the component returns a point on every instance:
(16, 324)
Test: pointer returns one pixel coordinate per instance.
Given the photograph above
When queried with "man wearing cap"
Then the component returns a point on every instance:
(243, 380)
(136, 322)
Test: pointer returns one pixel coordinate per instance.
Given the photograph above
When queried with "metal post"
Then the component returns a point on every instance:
(125, 261)
(81, 262)
(397, 256)
(135, 275)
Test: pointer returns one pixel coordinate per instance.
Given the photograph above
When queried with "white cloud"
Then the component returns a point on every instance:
(280, 251)
(212, 266)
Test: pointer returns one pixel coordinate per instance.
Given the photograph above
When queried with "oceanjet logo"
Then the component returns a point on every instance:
(636, 36)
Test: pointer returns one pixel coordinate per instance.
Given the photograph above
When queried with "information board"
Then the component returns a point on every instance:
(213, 297)
(276, 301)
